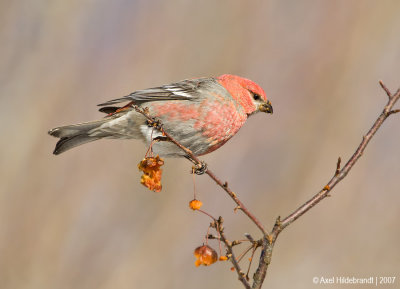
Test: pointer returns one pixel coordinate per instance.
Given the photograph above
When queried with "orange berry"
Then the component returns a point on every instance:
(205, 255)
(151, 168)
(195, 204)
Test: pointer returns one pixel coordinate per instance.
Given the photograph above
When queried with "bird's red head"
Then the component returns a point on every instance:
(246, 92)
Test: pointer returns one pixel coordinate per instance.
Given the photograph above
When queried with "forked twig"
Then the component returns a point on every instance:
(339, 175)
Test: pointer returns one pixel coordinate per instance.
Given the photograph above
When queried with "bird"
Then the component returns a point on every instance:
(202, 114)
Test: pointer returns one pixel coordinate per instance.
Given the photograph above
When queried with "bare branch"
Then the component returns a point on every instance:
(385, 89)
(350, 163)
(340, 174)
(237, 201)
(231, 254)
(338, 166)
(393, 111)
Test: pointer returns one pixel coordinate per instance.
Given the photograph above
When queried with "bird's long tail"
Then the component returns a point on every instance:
(75, 135)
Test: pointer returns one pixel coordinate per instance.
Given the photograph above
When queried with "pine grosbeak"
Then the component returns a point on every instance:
(202, 114)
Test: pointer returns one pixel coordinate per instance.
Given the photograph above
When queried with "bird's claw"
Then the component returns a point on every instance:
(200, 168)
(155, 122)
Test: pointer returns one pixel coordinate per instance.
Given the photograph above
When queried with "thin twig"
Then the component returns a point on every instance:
(337, 172)
(231, 254)
(387, 111)
(385, 89)
(340, 174)
(237, 201)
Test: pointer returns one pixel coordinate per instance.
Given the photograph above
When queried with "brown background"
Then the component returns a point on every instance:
(82, 220)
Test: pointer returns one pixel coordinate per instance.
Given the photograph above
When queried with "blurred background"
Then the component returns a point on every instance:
(83, 220)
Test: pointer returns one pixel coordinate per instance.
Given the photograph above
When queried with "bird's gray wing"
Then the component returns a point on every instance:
(183, 90)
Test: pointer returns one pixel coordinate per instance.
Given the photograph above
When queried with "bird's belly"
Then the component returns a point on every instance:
(200, 127)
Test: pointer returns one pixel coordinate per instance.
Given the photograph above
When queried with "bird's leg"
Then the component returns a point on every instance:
(198, 168)
(155, 122)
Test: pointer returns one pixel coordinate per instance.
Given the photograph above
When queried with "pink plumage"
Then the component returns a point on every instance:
(202, 114)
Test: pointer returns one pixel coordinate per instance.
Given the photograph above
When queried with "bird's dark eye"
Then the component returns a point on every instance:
(256, 96)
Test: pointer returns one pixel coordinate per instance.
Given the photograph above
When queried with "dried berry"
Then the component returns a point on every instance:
(205, 255)
(151, 167)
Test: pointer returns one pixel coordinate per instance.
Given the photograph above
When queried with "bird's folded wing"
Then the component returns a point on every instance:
(183, 90)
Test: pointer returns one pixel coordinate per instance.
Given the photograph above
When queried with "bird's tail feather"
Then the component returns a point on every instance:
(74, 135)
(66, 143)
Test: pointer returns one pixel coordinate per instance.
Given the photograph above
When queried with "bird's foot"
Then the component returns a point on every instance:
(155, 122)
(200, 168)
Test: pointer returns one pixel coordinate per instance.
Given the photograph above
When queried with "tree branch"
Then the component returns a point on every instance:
(340, 174)
(231, 254)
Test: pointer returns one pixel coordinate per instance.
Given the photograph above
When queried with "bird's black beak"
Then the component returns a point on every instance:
(266, 107)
